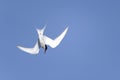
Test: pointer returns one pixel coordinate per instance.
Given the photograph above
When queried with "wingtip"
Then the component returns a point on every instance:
(18, 47)
(67, 27)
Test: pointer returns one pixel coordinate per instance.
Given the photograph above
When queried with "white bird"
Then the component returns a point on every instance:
(43, 41)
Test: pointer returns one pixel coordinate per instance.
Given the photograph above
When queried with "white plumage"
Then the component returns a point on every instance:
(43, 41)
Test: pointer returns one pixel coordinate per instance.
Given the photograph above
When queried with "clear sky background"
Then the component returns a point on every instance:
(89, 51)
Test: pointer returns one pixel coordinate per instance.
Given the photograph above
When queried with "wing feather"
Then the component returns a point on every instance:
(34, 50)
(54, 43)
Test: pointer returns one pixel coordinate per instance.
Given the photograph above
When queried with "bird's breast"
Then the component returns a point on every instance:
(42, 43)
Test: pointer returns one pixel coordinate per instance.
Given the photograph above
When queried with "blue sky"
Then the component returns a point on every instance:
(89, 51)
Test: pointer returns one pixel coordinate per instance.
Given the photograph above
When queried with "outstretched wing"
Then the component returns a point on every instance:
(34, 50)
(54, 43)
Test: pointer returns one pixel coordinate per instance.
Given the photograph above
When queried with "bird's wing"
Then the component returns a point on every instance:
(34, 50)
(54, 43)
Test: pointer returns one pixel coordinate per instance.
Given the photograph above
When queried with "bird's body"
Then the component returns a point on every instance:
(43, 41)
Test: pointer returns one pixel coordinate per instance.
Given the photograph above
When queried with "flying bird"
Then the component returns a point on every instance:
(44, 41)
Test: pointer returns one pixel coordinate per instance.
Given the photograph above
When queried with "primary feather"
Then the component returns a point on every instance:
(34, 50)
(54, 43)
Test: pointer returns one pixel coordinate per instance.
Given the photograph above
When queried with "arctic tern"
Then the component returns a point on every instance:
(43, 41)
